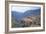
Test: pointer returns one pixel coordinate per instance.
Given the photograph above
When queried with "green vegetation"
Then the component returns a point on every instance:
(13, 23)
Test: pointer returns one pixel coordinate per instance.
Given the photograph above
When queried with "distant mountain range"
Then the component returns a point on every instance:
(19, 15)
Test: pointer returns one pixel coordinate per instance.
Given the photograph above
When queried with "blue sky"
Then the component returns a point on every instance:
(23, 9)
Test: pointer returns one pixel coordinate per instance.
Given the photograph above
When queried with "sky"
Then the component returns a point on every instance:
(23, 9)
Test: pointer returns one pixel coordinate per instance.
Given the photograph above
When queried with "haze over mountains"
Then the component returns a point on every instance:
(20, 15)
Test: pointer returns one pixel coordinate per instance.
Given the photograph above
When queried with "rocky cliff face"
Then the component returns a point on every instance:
(31, 21)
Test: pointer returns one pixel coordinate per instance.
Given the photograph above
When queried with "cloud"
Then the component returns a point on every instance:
(23, 9)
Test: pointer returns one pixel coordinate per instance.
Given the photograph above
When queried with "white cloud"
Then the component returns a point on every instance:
(23, 9)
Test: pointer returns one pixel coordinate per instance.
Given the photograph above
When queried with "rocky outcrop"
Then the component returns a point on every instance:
(26, 21)
(31, 20)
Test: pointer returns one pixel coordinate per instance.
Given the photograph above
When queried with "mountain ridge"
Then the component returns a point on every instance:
(20, 15)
